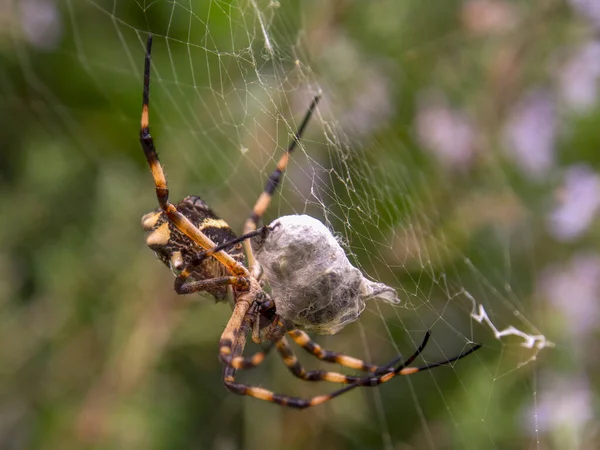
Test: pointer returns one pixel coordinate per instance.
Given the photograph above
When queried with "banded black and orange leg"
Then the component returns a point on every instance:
(230, 383)
(250, 362)
(233, 339)
(264, 200)
(292, 363)
(160, 182)
(369, 381)
(226, 245)
(301, 403)
(304, 341)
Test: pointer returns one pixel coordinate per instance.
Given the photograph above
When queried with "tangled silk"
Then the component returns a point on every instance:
(312, 281)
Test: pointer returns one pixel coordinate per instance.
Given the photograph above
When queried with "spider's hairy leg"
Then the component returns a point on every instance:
(303, 340)
(233, 339)
(162, 192)
(292, 363)
(232, 344)
(368, 381)
(225, 246)
(230, 383)
(237, 361)
(404, 368)
(264, 200)
(183, 286)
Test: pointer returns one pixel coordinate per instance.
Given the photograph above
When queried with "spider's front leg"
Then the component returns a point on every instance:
(185, 286)
(225, 246)
(182, 223)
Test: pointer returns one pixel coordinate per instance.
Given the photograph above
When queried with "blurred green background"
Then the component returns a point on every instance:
(455, 153)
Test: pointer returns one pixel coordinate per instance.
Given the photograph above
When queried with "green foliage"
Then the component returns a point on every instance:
(98, 350)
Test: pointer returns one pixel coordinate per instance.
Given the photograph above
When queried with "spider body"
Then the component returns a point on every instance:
(176, 250)
(205, 256)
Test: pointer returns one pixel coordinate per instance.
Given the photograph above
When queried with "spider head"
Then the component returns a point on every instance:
(176, 250)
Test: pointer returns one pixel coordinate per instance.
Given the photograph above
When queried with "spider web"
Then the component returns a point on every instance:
(432, 157)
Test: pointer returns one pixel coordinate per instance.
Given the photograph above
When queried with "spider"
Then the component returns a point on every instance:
(206, 256)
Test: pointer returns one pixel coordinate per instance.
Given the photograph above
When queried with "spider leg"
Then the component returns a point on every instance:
(160, 182)
(188, 287)
(249, 362)
(234, 339)
(292, 363)
(184, 286)
(303, 340)
(263, 201)
(302, 403)
(224, 246)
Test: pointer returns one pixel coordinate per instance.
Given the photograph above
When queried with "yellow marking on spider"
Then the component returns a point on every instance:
(160, 236)
(318, 351)
(388, 376)
(335, 377)
(145, 116)
(149, 220)
(158, 175)
(290, 360)
(349, 361)
(229, 379)
(176, 261)
(408, 371)
(262, 203)
(319, 400)
(237, 362)
(258, 358)
(299, 337)
(283, 161)
(214, 223)
(225, 350)
(184, 225)
(260, 393)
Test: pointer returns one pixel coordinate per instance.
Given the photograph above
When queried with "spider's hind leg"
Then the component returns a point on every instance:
(294, 366)
(352, 382)
(303, 340)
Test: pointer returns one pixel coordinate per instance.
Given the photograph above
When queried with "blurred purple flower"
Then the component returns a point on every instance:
(573, 290)
(579, 77)
(531, 132)
(489, 17)
(371, 106)
(564, 404)
(447, 133)
(580, 201)
(41, 23)
(589, 9)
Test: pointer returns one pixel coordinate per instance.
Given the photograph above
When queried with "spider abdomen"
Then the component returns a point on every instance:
(175, 249)
(313, 283)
